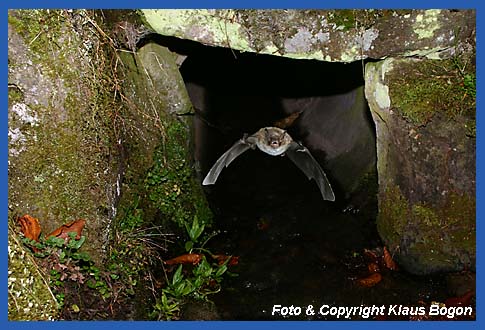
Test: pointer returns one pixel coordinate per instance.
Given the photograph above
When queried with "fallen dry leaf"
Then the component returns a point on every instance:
(221, 258)
(370, 280)
(388, 261)
(30, 227)
(72, 227)
(373, 267)
(190, 258)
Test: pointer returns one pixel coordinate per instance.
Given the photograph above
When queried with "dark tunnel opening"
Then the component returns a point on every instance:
(293, 247)
(322, 105)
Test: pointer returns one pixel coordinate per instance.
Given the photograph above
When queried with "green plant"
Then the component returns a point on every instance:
(194, 231)
(469, 84)
(133, 217)
(170, 184)
(198, 284)
(67, 263)
(135, 248)
(191, 281)
(168, 307)
(97, 281)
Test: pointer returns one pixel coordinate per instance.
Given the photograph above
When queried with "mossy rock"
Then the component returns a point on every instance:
(159, 171)
(423, 112)
(87, 125)
(419, 89)
(429, 239)
(62, 164)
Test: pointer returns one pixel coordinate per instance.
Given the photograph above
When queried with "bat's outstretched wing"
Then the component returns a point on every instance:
(305, 161)
(238, 148)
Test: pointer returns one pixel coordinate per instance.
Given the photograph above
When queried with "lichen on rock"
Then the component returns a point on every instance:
(327, 35)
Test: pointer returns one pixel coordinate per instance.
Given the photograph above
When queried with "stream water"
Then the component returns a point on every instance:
(296, 250)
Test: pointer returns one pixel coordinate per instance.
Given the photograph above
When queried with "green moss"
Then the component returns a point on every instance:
(167, 193)
(425, 214)
(15, 95)
(435, 237)
(64, 170)
(422, 89)
(160, 171)
(171, 184)
(345, 18)
(393, 215)
(40, 28)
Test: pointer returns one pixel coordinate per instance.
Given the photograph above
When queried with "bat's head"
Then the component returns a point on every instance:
(273, 140)
(274, 136)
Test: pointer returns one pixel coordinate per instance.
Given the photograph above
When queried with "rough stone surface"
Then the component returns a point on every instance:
(60, 155)
(426, 166)
(154, 90)
(61, 164)
(328, 35)
(86, 124)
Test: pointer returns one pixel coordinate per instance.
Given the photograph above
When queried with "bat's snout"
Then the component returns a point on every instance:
(275, 144)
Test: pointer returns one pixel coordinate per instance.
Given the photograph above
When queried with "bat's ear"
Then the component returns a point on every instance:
(282, 137)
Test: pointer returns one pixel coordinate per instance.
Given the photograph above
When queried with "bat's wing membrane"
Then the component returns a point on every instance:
(238, 148)
(305, 162)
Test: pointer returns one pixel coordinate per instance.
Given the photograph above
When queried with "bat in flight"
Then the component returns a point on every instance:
(275, 142)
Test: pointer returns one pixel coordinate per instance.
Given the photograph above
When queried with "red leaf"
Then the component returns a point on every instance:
(190, 258)
(388, 261)
(373, 267)
(30, 227)
(370, 280)
(221, 258)
(72, 227)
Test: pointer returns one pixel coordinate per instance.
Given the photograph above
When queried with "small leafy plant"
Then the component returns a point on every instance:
(67, 263)
(194, 233)
(196, 280)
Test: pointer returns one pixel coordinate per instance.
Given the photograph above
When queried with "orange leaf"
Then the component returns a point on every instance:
(221, 258)
(388, 262)
(30, 227)
(370, 280)
(190, 258)
(72, 227)
(373, 267)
